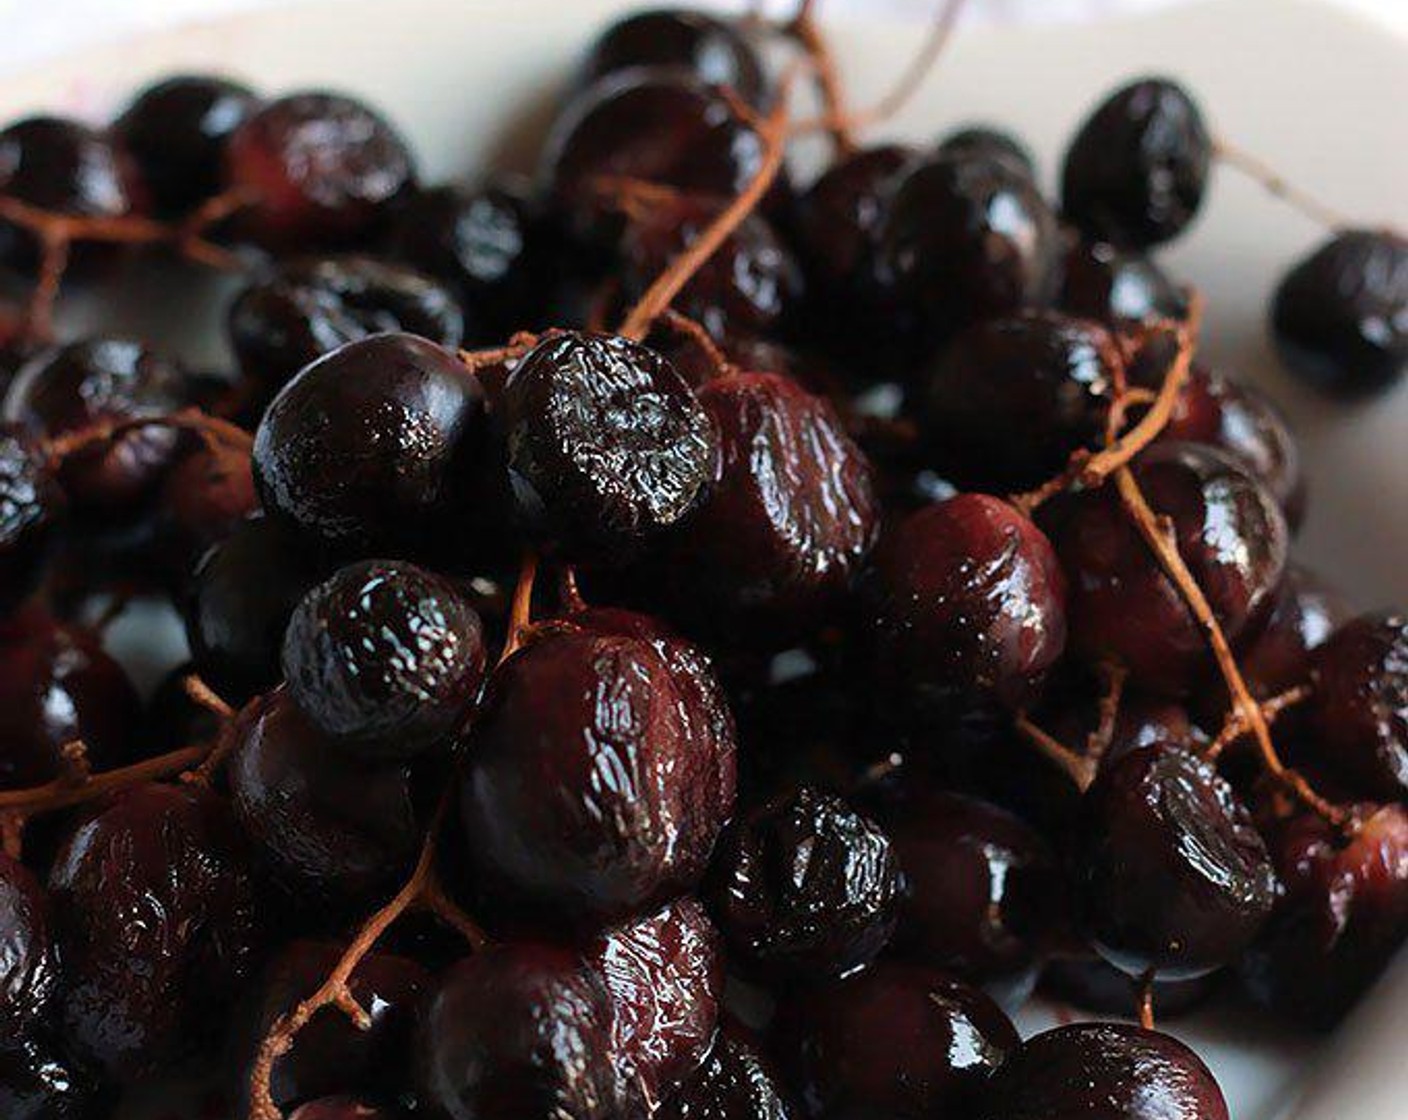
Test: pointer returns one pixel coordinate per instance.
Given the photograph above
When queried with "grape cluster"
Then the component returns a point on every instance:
(803, 620)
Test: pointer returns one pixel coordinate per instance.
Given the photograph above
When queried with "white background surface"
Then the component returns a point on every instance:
(31, 30)
(1321, 95)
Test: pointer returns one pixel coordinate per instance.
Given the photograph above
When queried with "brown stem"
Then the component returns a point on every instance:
(1261, 172)
(1078, 768)
(202, 694)
(62, 792)
(1234, 726)
(803, 28)
(1098, 741)
(1091, 468)
(569, 592)
(12, 835)
(669, 283)
(203, 425)
(74, 766)
(58, 232)
(53, 262)
(941, 31)
(1157, 532)
(479, 362)
(520, 616)
(694, 331)
(1144, 989)
(334, 991)
(434, 899)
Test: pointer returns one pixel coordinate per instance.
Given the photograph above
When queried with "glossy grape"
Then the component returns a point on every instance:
(309, 306)
(1172, 876)
(610, 799)
(176, 131)
(385, 657)
(320, 171)
(607, 445)
(1136, 170)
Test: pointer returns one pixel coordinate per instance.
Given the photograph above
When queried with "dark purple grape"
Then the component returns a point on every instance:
(385, 657)
(967, 604)
(837, 214)
(490, 245)
(1007, 401)
(331, 1054)
(154, 909)
(176, 131)
(987, 142)
(1340, 315)
(660, 126)
(205, 497)
(368, 449)
(1172, 876)
(984, 896)
(1137, 168)
(607, 445)
(32, 507)
(733, 1083)
(1343, 915)
(1104, 1071)
(609, 799)
(65, 168)
(712, 50)
(1117, 288)
(751, 285)
(328, 825)
(519, 1031)
(664, 979)
(896, 1040)
(307, 307)
(1241, 421)
(806, 887)
(787, 520)
(1230, 533)
(961, 239)
(58, 686)
(242, 594)
(29, 963)
(79, 386)
(1359, 703)
(321, 171)
(1305, 613)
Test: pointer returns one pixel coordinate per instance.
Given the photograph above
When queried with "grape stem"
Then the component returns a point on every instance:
(520, 618)
(478, 363)
(219, 434)
(940, 32)
(1157, 532)
(1274, 183)
(1235, 726)
(803, 28)
(1078, 767)
(1098, 741)
(422, 890)
(58, 233)
(772, 131)
(691, 330)
(1144, 995)
(1090, 469)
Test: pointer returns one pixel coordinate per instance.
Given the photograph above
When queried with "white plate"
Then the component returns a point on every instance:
(1317, 92)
